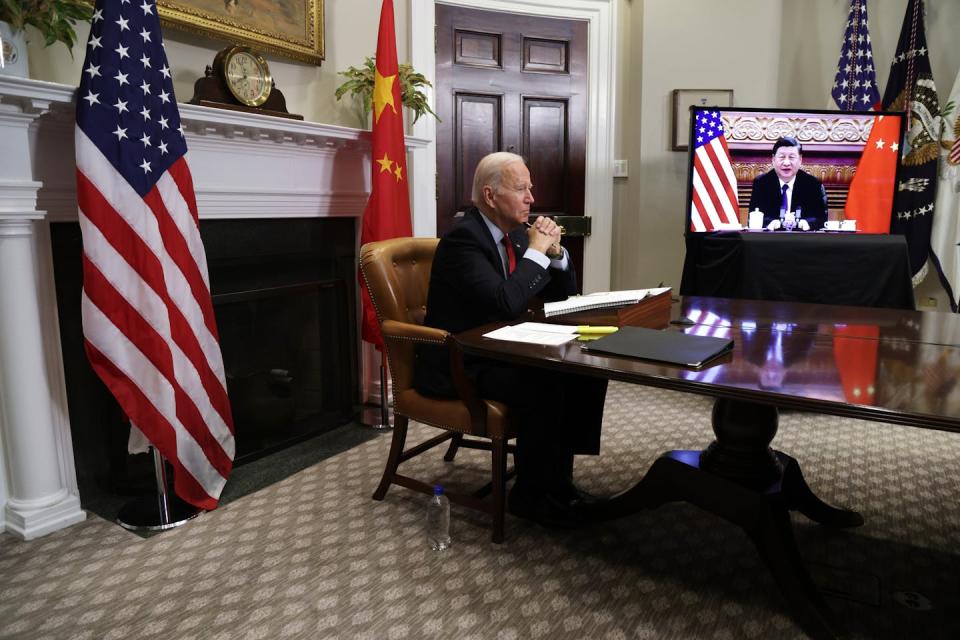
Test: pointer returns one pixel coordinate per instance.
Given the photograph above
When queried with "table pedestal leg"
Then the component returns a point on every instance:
(739, 478)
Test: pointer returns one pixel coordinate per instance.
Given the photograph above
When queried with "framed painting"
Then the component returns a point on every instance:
(289, 28)
(683, 99)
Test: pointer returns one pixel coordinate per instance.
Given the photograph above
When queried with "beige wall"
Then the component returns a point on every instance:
(682, 45)
(351, 34)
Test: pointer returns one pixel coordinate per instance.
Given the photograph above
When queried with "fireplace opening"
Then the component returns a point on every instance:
(283, 357)
(284, 294)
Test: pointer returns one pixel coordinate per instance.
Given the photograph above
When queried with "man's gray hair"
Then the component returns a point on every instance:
(489, 173)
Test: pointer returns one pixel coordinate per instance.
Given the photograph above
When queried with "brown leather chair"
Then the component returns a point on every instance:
(397, 275)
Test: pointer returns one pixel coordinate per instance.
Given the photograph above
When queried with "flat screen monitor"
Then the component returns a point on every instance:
(731, 170)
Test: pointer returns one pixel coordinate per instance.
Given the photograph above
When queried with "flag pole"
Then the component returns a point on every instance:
(384, 409)
(383, 422)
(156, 513)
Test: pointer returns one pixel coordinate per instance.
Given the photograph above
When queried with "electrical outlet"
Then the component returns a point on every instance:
(619, 168)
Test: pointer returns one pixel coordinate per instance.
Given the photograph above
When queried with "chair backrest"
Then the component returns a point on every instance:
(397, 275)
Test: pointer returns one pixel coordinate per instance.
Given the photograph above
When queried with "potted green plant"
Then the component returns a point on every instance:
(360, 85)
(54, 19)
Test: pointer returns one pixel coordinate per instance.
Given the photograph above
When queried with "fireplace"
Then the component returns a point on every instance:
(284, 294)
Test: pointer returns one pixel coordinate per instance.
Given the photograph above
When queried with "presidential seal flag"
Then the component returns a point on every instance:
(148, 323)
(855, 85)
(945, 239)
(910, 88)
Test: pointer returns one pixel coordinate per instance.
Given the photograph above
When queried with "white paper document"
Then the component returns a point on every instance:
(535, 333)
(599, 300)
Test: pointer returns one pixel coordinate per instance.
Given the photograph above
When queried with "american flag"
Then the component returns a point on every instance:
(855, 85)
(148, 323)
(714, 191)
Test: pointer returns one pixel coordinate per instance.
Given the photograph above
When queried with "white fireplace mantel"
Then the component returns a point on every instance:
(243, 165)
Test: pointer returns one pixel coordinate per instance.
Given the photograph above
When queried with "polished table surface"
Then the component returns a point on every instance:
(884, 365)
(887, 365)
(870, 270)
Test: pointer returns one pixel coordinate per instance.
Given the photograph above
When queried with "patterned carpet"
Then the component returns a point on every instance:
(313, 557)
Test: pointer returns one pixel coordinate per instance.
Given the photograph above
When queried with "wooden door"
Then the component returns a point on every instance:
(510, 82)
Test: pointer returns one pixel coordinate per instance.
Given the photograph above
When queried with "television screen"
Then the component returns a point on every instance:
(791, 170)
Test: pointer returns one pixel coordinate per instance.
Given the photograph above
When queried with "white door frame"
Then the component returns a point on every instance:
(601, 16)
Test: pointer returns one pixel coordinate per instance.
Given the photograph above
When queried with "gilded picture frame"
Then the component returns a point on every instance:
(683, 99)
(288, 28)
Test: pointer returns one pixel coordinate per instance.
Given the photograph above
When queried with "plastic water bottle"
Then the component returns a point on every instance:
(438, 520)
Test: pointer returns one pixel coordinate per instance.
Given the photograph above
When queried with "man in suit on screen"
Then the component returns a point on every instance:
(788, 188)
(488, 268)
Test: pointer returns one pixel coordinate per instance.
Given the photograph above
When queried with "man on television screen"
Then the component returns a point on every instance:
(789, 197)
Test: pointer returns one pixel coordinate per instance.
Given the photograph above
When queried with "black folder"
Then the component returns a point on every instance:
(662, 346)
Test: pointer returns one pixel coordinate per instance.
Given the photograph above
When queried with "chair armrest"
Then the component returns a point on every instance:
(409, 331)
(394, 331)
(466, 389)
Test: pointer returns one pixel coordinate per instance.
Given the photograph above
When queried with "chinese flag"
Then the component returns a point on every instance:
(870, 201)
(388, 211)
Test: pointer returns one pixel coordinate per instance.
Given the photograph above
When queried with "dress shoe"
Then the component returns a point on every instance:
(544, 509)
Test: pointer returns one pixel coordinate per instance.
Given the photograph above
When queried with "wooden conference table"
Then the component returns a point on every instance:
(884, 365)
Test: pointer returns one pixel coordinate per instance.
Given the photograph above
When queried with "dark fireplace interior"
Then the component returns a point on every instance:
(284, 294)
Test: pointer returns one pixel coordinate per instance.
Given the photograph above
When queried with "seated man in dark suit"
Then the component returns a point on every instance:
(787, 187)
(488, 268)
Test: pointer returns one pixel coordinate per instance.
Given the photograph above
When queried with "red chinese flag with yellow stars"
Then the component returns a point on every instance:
(388, 211)
(870, 201)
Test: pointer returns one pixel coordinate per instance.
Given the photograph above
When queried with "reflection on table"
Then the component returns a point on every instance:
(900, 361)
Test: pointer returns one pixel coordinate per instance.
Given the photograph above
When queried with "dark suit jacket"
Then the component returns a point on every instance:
(808, 194)
(468, 289)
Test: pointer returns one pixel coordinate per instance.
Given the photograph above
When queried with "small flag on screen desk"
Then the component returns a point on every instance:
(870, 199)
(148, 323)
(855, 85)
(388, 211)
(910, 88)
(714, 191)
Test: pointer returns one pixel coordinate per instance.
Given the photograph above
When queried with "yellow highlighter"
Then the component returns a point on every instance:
(595, 330)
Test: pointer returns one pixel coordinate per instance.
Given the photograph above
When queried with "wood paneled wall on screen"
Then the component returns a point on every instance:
(510, 82)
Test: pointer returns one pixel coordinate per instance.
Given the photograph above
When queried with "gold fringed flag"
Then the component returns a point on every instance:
(945, 239)
(910, 88)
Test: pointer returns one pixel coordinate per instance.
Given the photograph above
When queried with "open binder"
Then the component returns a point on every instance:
(673, 347)
(602, 300)
(642, 308)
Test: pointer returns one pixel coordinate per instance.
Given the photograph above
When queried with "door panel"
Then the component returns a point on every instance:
(477, 129)
(545, 139)
(515, 83)
(477, 49)
(547, 56)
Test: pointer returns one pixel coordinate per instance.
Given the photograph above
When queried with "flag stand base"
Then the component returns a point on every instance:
(159, 512)
(143, 514)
